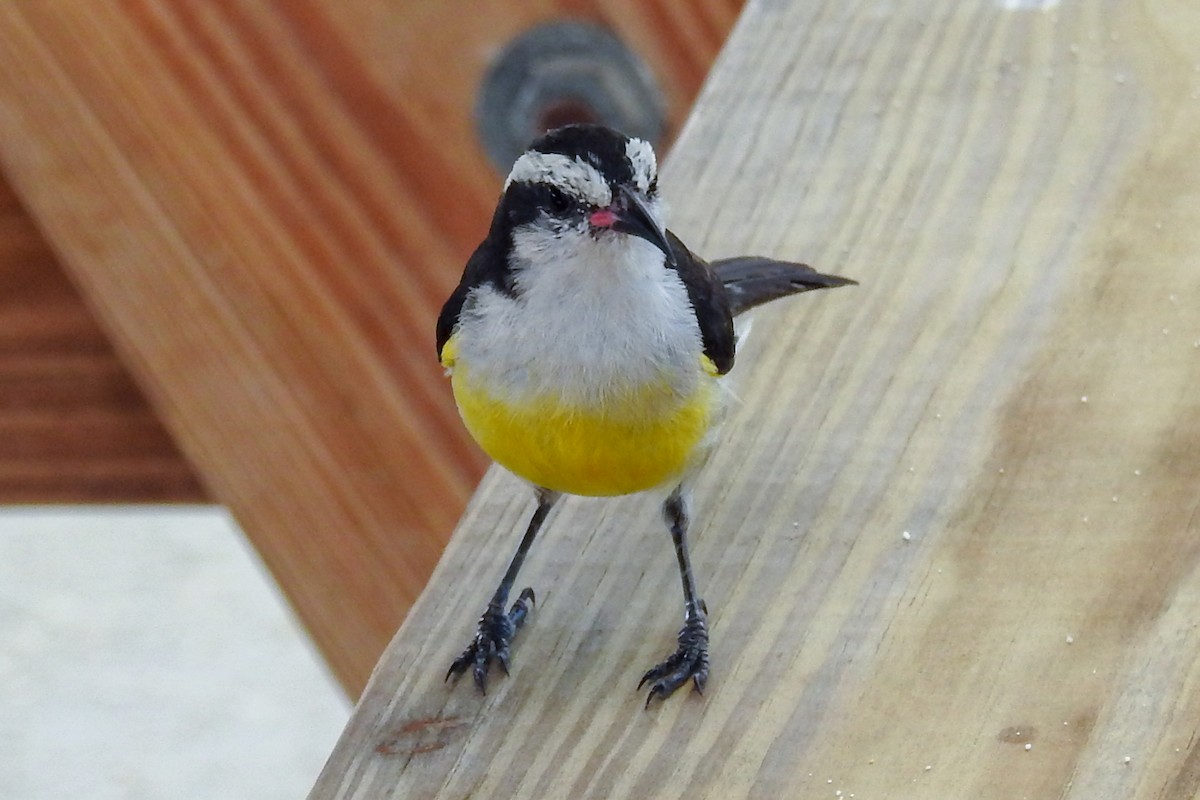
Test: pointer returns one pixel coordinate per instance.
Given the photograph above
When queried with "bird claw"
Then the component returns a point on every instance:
(690, 660)
(492, 640)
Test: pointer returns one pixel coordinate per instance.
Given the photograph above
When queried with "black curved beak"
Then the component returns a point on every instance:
(635, 219)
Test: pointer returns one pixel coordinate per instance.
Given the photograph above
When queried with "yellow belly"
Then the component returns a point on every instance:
(637, 440)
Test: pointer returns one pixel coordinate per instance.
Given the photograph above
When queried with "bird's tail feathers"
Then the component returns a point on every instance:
(752, 280)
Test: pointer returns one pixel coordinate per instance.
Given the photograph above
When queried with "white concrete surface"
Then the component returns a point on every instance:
(145, 653)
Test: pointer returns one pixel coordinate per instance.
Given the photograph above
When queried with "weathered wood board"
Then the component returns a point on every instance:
(950, 542)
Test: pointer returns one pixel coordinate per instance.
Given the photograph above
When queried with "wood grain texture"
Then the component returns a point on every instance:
(267, 203)
(1014, 386)
(73, 426)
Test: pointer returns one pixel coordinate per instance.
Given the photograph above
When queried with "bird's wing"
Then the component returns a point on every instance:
(710, 302)
(750, 281)
(486, 265)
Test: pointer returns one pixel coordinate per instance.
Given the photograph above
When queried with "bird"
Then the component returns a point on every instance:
(587, 349)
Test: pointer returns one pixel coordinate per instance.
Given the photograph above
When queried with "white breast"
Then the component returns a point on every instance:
(592, 318)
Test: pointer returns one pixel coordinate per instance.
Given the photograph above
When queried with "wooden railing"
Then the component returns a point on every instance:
(950, 544)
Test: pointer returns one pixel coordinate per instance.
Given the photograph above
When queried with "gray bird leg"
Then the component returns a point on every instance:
(690, 659)
(498, 627)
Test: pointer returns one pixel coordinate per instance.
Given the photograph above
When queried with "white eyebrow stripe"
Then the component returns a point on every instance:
(575, 176)
(641, 158)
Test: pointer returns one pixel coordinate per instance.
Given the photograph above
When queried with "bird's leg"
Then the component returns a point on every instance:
(690, 659)
(497, 626)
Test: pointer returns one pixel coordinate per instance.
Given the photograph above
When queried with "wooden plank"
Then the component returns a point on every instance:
(189, 211)
(950, 545)
(267, 203)
(74, 427)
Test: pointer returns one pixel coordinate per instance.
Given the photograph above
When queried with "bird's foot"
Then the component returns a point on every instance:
(492, 640)
(690, 660)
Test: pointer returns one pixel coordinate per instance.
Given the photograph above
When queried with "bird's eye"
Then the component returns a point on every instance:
(559, 203)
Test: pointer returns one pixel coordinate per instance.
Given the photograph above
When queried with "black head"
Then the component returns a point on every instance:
(586, 179)
(604, 148)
